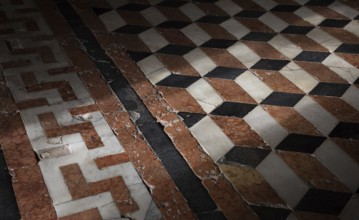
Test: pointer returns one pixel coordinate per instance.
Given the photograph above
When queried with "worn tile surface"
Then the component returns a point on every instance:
(220, 109)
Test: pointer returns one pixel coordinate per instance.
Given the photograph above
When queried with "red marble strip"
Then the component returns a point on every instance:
(110, 160)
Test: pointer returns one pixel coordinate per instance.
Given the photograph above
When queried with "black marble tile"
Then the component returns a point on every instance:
(205, 1)
(292, 29)
(190, 118)
(334, 23)
(133, 7)
(218, 43)
(225, 72)
(249, 14)
(175, 49)
(323, 201)
(100, 11)
(348, 48)
(180, 81)
(233, 109)
(173, 24)
(286, 8)
(138, 56)
(212, 19)
(356, 81)
(319, 2)
(131, 29)
(346, 130)
(259, 36)
(330, 89)
(356, 18)
(312, 56)
(266, 64)
(214, 215)
(282, 99)
(269, 213)
(301, 143)
(248, 156)
(174, 4)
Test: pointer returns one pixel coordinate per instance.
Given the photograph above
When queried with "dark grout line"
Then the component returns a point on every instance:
(188, 183)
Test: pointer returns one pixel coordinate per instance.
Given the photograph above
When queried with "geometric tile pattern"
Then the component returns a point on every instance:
(265, 85)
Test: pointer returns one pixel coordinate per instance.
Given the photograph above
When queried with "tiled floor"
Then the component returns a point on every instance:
(206, 109)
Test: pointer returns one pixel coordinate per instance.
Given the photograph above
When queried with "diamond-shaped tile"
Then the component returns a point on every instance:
(282, 99)
(312, 56)
(175, 49)
(323, 201)
(249, 14)
(175, 80)
(173, 24)
(334, 23)
(131, 29)
(346, 130)
(212, 19)
(100, 11)
(213, 215)
(286, 8)
(190, 118)
(225, 72)
(319, 2)
(269, 213)
(348, 48)
(133, 7)
(174, 4)
(267, 64)
(259, 36)
(247, 155)
(218, 43)
(293, 29)
(330, 89)
(301, 143)
(233, 109)
(138, 56)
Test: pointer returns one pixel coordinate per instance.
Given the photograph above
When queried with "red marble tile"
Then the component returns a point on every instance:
(305, 43)
(327, 12)
(174, 36)
(216, 31)
(211, 9)
(320, 72)
(342, 35)
(265, 50)
(291, 18)
(222, 57)
(353, 59)
(110, 160)
(91, 214)
(177, 65)
(349, 146)
(255, 25)
(249, 5)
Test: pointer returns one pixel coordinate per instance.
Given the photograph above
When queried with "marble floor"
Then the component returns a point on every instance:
(159, 109)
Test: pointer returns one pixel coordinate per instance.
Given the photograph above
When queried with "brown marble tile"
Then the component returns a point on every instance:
(91, 214)
(353, 59)
(230, 91)
(110, 160)
(314, 216)
(173, 14)
(277, 81)
(321, 72)
(216, 31)
(291, 18)
(251, 184)
(249, 5)
(134, 18)
(305, 43)
(211, 9)
(222, 57)
(291, 120)
(312, 171)
(174, 36)
(177, 65)
(32, 103)
(339, 108)
(349, 146)
(180, 99)
(254, 25)
(83, 109)
(265, 50)
(133, 43)
(239, 131)
(327, 12)
(342, 35)
(286, 2)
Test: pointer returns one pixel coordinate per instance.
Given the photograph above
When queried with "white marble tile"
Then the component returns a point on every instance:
(229, 6)
(351, 96)
(309, 15)
(264, 124)
(244, 54)
(283, 180)
(150, 64)
(273, 22)
(292, 217)
(342, 68)
(339, 163)
(192, 11)
(200, 61)
(267, 4)
(324, 39)
(153, 39)
(350, 211)
(353, 27)
(112, 20)
(211, 138)
(205, 95)
(235, 28)
(153, 15)
(158, 75)
(285, 46)
(316, 114)
(196, 34)
(257, 89)
(344, 9)
(299, 77)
